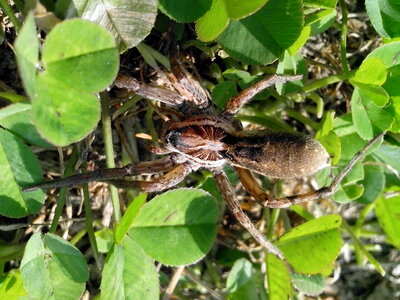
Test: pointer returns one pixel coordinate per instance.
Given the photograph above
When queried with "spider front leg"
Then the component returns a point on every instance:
(169, 180)
(236, 103)
(229, 196)
(254, 188)
(150, 167)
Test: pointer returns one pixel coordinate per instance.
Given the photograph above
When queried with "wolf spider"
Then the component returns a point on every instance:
(196, 137)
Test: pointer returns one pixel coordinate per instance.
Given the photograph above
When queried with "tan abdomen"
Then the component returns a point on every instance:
(277, 154)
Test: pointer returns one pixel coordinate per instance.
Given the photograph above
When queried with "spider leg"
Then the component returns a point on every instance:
(254, 188)
(186, 85)
(228, 194)
(170, 179)
(148, 92)
(236, 103)
(149, 167)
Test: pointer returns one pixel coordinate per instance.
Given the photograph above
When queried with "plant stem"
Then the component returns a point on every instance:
(319, 83)
(272, 221)
(63, 192)
(303, 119)
(10, 13)
(362, 248)
(89, 224)
(108, 144)
(343, 38)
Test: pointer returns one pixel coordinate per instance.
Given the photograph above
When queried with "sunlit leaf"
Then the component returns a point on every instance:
(129, 21)
(19, 168)
(177, 227)
(278, 278)
(27, 53)
(129, 274)
(53, 269)
(267, 33)
(313, 246)
(387, 211)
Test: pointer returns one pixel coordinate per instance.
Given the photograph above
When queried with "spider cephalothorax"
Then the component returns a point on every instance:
(199, 138)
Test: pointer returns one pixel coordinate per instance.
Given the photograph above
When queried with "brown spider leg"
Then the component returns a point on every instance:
(186, 85)
(148, 92)
(169, 180)
(228, 194)
(236, 103)
(254, 188)
(149, 167)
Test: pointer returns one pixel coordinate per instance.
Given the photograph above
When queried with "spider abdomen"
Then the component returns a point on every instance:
(277, 154)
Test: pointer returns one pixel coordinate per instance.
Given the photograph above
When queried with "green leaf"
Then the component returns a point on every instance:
(238, 9)
(301, 40)
(222, 92)
(347, 193)
(11, 286)
(388, 53)
(17, 118)
(331, 143)
(374, 94)
(321, 3)
(63, 114)
(387, 211)
(214, 22)
(268, 33)
(129, 274)
(392, 87)
(104, 239)
(242, 282)
(372, 71)
(329, 138)
(386, 153)
(291, 64)
(360, 117)
(278, 278)
(177, 227)
(128, 217)
(313, 246)
(373, 182)
(368, 118)
(384, 16)
(53, 269)
(308, 284)
(18, 167)
(129, 21)
(321, 20)
(184, 11)
(27, 53)
(87, 61)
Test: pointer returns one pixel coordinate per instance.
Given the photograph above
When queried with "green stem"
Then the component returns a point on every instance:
(150, 124)
(319, 83)
(343, 38)
(362, 248)
(63, 192)
(303, 119)
(10, 13)
(272, 221)
(89, 224)
(108, 144)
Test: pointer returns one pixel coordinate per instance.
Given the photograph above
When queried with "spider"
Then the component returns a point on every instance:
(197, 137)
